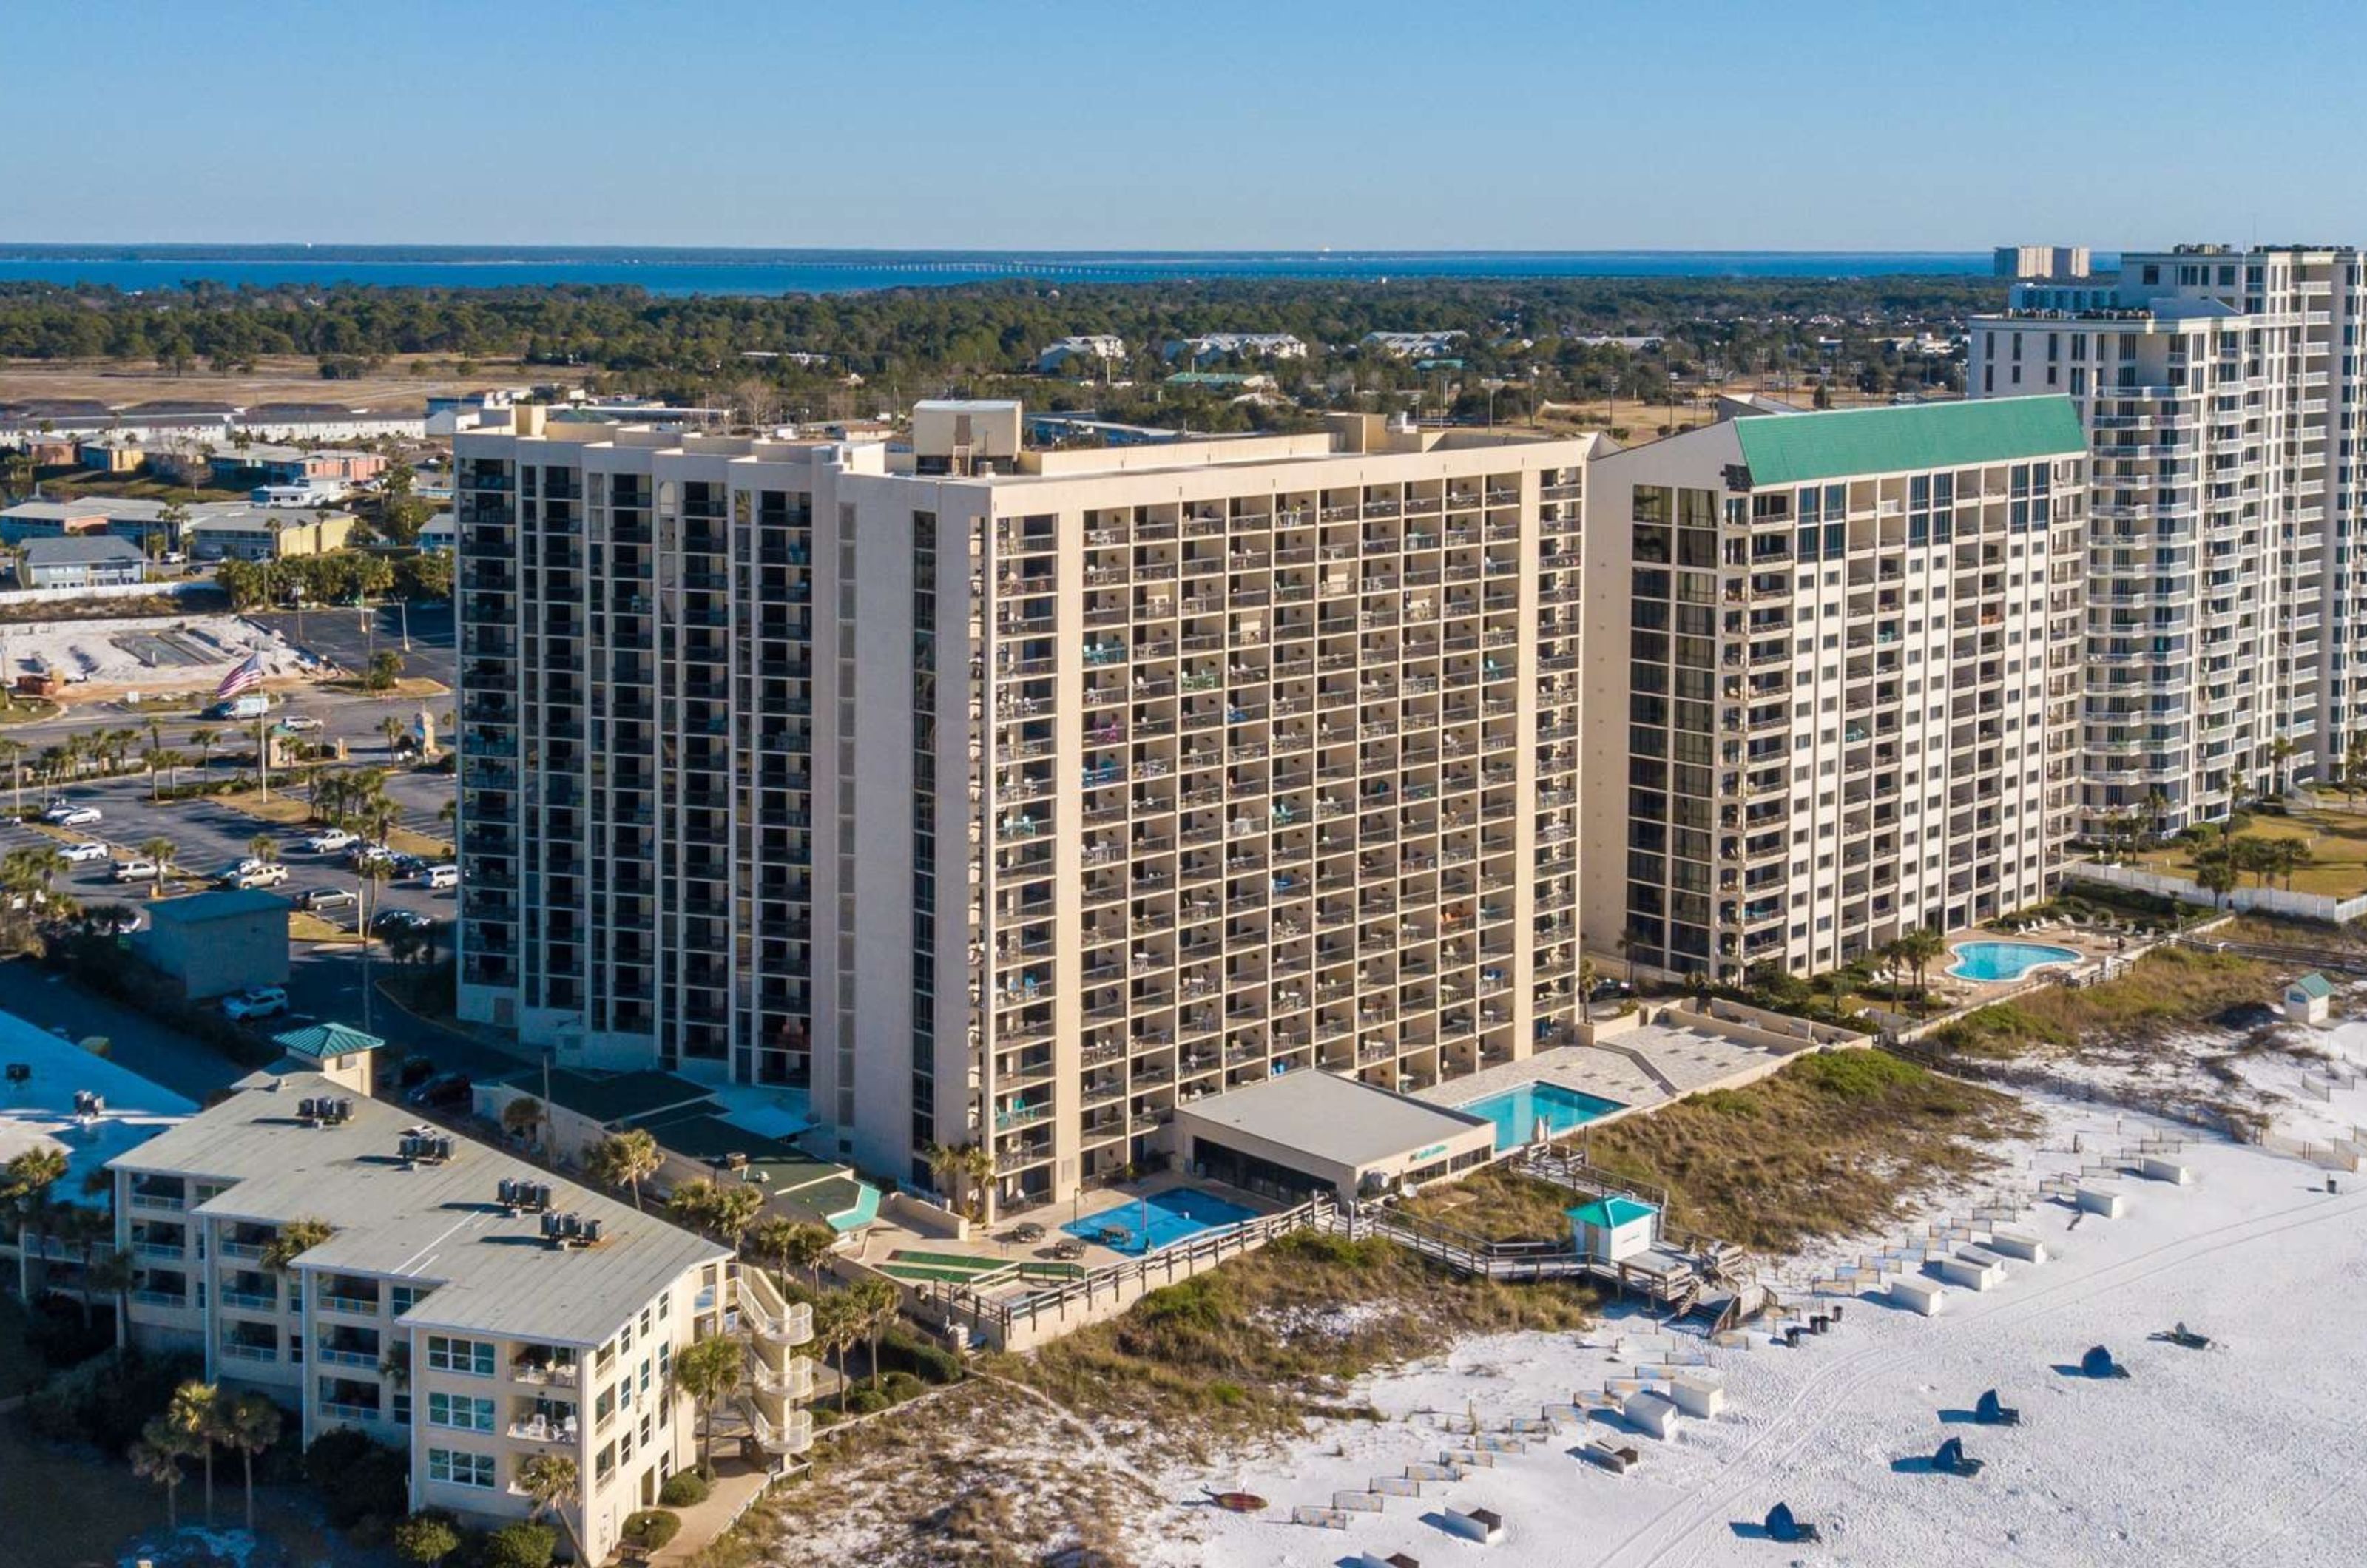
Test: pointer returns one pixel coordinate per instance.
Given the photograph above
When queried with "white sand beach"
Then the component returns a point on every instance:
(2240, 1454)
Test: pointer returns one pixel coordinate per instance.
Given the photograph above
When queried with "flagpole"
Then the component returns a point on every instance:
(262, 760)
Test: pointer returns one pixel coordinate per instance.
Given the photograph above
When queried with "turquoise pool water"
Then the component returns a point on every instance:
(1516, 1111)
(1161, 1219)
(2006, 960)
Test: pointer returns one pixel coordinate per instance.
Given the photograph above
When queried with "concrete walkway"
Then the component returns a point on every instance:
(737, 1485)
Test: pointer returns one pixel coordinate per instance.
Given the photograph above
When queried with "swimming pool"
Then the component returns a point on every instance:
(2006, 960)
(1516, 1111)
(1161, 1219)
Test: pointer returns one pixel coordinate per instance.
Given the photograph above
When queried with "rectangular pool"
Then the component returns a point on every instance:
(1517, 1111)
(1158, 1221)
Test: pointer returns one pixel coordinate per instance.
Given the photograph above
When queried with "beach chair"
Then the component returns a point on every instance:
(2183, 1337)
(1988, 1411)
(2099, 1363)
(1783, 1526)
(1952, 1459)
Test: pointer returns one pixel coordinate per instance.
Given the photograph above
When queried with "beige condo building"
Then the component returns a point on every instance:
(1833, 674)
(1012, 796)
(442, 1314)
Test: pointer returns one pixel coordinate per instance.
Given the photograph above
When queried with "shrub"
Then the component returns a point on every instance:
(518, 1545)
(900, 1386)
(682, 1489)
(652, 1528)
(902, 1348)
(359, 1480)
(1857, 1075)
(863, 1401)
(106, 1401)
(56, 1333)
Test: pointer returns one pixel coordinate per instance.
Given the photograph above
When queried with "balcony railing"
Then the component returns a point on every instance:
(358, 1306)
(357, 1413)
(241, 1352)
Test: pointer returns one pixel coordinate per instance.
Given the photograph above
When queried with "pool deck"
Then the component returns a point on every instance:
(1640, 1064)
(992, 1244)
(1957, 991)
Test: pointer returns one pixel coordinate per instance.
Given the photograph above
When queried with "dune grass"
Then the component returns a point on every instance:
(2169, 988)
(1833, 1145)
(1255, 1346)
(1496, 1204)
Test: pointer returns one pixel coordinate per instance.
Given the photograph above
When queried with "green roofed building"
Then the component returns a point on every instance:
(1840, 656)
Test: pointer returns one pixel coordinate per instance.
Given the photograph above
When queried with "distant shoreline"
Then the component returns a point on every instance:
(676, 271)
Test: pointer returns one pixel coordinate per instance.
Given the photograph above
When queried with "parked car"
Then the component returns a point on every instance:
(434, 877)
(256, 876)
(444, 1089)
(64, 814)
(399, 920)
(135, 871)
(416, 1070)
(319, 899)
(263, 1001)
(83, 853)
(359, 854)
(300, 724)
(330, 841)
(408, 867)
(251, 706)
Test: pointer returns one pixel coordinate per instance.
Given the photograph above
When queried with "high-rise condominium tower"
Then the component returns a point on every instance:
(2222, 389)
(1832, 680)
(1008, 797)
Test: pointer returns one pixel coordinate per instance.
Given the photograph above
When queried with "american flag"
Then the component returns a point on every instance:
(249, 673)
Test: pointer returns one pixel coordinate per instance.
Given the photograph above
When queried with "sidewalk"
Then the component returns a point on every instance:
(737, 1485)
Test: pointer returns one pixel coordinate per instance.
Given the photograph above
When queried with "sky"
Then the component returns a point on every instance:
(1186, 124)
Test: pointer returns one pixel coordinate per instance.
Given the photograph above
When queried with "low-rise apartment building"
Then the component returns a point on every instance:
(464, 1305)
(80, 561)
(1832, 680)
(265, 533)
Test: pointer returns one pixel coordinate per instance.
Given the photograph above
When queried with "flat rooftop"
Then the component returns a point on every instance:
(1331, 1118)
(37, 1109)
(439, 1224)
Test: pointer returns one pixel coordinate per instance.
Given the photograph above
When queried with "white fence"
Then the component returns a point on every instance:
(106, 591)
(2268, 900)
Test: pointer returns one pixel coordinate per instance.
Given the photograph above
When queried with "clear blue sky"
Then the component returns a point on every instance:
(1445, 124)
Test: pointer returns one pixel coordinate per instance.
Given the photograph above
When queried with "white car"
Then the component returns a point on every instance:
(331, 841)
(81, 854)
(263, 1001)
(63, 815)
(259, 876)
(135, 871)
(300, 724)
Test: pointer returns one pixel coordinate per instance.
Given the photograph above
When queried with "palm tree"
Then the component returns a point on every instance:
(809, 1245)
(625, 1159)
(710, 1372)
(197, 1414)
(158, 852)
(965, 1171)
(265, 848)
(837, 1323)
(296, 1238)
(157, 1457)
(771, 1240)
(1920, 946)
(523, 1117)
(204, 739)
(395, 731)
(876, 1307)
(554, 1481)
(30, 1174)
(2218, 875)
(251, 1425)
(724, 1210)
(115, 1274)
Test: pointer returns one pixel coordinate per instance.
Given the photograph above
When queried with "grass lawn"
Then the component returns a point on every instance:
(1256, 1345)
(409, 686)
(2168, 989)
(1831, 1146)
(2338, 840)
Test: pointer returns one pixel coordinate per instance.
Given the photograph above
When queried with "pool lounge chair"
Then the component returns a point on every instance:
(1783, 1526)
(1988, 1411)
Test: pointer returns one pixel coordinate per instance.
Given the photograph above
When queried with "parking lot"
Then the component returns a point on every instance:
(422, 633)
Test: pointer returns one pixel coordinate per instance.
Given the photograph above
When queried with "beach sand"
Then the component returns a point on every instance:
(2241, 1454)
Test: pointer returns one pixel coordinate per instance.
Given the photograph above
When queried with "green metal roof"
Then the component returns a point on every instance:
(1610, 1213)
(1781, 449)
(322, 1041)
(2313, 984)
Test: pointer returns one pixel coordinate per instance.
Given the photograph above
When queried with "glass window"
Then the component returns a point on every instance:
(460, 1468)
(461, 1412)
(472, 1356)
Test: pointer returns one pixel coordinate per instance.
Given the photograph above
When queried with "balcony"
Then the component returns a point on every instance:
(792, 1434)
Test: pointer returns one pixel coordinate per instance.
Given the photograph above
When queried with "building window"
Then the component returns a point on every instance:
(460, 1468)
(473, 1357)
(461, 1412)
